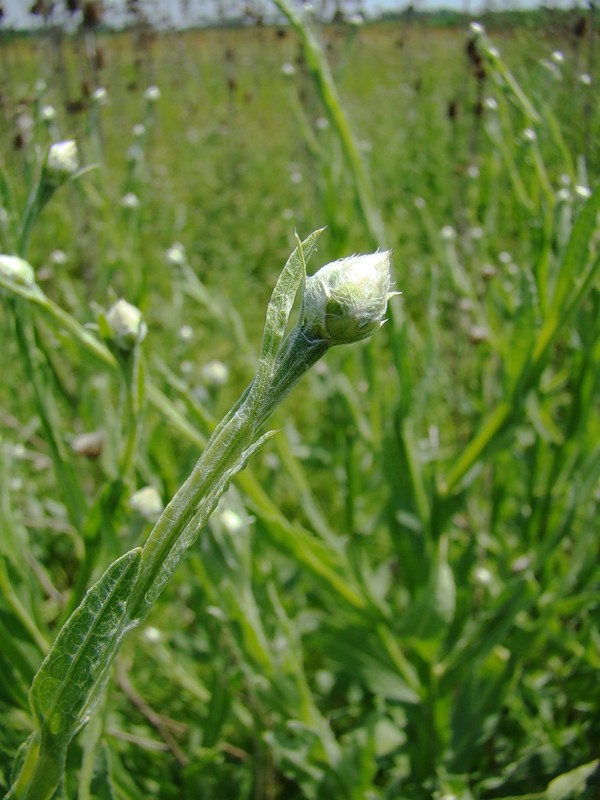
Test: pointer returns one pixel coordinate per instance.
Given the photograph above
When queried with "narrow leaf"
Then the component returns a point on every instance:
(282, 299)
(71, 674)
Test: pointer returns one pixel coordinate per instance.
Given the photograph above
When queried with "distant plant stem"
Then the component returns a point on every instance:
(317, 63)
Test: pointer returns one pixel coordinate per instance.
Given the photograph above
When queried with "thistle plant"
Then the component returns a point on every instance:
(342, 303)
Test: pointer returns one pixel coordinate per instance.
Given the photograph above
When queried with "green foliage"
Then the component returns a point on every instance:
(398, 597)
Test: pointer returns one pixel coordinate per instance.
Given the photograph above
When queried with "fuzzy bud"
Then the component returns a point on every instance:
(17, 270)
(126, 324)
(346, 301)
(147, 503)
(62, 160)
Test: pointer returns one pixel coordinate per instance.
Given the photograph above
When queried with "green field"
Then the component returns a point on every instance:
(398, 597)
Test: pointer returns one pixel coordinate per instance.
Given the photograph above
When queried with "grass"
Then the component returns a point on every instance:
(398, 598)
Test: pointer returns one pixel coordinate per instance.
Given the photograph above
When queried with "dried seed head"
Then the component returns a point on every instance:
(346, 300)
(88, 444)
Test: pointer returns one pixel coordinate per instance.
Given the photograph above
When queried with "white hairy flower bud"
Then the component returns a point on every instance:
(346, 301)
(100, 96)
(147, 503)
(152, 94)
(62, 160)
(126, 324)
(17, 270)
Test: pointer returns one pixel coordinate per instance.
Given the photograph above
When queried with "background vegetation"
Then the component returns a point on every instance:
(399, 599)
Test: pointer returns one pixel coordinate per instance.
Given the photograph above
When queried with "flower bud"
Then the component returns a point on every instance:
(147, 503)
(17, 270)
(62, 160)
(346, 300)
(126, 324)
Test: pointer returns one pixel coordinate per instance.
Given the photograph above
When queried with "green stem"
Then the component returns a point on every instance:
(41, 772)
(317, 63)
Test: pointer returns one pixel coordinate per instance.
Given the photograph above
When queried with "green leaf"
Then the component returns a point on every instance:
(578, 250)
(572, 784)
(282, 300)
(70, 676)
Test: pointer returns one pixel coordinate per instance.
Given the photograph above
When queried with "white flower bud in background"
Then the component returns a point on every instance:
(476, 28)
(100, 96)
(152, 94)
(448, 233)
(126, 324)
(147, 503)
(583, 192)
(529, 135)
(185, 333)
(175, 255)
(152, 635)
(62, 160)
(346, 301)
(17, 270)
(231, 521)
(288, 70)
(558, 57)
(138, 130)
(130, 201)
(215, 373)
(48, 113)
(58, 257)
(585, 79)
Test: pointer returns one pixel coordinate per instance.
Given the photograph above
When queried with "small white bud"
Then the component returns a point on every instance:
(493, 52)
(48, 113)
(152, 94)
(583, 192)
(346, 301)
(357, 20)
(215, 373)
(585, 79)
(476, 28)
(147, 503)
(126, 324)
(130, 201)
(63, 159)
(100, 96)
(58, 257)
(558, 57)
(185, 333)
(135, 153)
(17, 270)
(491, 104)
(529, 135)
(288, 69)
(175, 255)
(138, 130)
(448, 233)
(231, 521)
(483, 576)
(152, 635)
